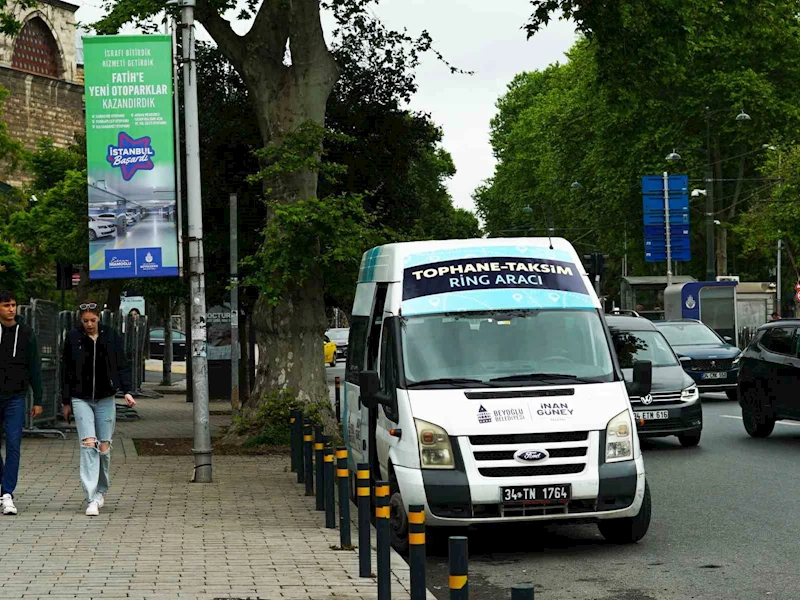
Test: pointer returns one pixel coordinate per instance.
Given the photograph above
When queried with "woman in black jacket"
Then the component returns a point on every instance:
(94, 368)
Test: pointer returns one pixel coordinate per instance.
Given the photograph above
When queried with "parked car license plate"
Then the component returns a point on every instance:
(652, 415)
(537, 494)
(716, 375)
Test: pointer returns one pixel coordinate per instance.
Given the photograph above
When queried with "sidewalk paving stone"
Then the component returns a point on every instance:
(250, 534)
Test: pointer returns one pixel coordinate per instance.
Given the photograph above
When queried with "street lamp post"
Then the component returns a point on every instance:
(711, 269)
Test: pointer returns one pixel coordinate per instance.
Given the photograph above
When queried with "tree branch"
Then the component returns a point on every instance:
(231, 44)
(271, 24)
(307, 38)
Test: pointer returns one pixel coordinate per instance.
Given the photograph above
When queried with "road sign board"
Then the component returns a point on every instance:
(680, 243)
(661, 256)
(675, 218)
(656, 203)
(654, 184)
(654, 231)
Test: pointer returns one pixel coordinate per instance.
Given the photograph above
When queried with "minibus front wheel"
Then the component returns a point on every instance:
(398, 518)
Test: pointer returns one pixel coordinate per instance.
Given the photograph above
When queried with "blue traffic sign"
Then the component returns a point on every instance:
(677, 243)
(677, 202)
(661, 256)
(652, 231)
(654, 184)
(675, 218)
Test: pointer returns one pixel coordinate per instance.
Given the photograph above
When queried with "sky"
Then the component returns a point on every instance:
(473, 35)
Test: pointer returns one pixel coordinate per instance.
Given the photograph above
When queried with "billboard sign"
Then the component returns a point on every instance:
(133, 229)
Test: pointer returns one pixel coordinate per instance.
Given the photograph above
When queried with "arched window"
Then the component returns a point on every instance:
(35, 50)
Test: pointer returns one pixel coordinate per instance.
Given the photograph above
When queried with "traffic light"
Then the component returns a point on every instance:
(595, 264)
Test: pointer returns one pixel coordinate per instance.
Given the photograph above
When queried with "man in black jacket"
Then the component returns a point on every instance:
(19, 368)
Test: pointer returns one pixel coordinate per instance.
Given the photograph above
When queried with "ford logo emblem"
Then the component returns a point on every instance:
(528, 456)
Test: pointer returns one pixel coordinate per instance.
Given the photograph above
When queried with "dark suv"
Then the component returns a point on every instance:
(673, 405)
(710, 360)
(768, 375)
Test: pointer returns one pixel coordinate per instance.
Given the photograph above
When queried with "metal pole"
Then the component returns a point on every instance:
(711, 270)
(522, 591)
(383, 540)
(343, 478)
(330, 483)
(197, 281)
(416, 550)
(459, 559)
(308, 453)
(363, 498)
(778, 308)
(166, 371)
(319, 448)
(234, 304)
(293, 441)
(668, 228)
(178, 175)
(338, 398)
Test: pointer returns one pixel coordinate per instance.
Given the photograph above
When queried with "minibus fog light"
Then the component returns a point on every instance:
(619, 441)
(435, 451)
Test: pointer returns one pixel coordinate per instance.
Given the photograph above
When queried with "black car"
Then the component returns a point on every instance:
(339, 336)
(673, 405)
(157, 344)
(768, 374)
(712, 361)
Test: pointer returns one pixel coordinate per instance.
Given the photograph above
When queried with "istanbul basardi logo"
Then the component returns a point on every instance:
(131, 155)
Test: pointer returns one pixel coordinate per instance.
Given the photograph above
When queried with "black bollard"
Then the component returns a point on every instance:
(363, 499)
(293, 438)
(329, 479)
(343, 477)
(301, 471)
(338, 392)
(318, 460)
(459, 558)
(308, 456)
(384, 540)
(416, 550)
(522, 591)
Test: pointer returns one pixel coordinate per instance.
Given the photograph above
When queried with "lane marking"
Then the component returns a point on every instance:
(776, 422)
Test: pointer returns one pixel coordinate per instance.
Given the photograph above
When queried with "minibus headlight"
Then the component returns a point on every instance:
(690, 394)
(435, 451)
(619, 438)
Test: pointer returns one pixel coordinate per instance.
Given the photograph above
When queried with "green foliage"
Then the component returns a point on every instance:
(268, 423)
(329, 235)
(12, 269)
(632, 90)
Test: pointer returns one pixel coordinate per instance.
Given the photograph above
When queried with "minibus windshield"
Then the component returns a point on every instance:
(532, 347)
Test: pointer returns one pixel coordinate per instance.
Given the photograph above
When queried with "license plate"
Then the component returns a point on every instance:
(652, 415)
(537, 494)
(720, 375)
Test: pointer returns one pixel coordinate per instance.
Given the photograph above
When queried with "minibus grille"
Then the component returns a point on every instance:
(540, 471)
(528, 438)
(509, 454)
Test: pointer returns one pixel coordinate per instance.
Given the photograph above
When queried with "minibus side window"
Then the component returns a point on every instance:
(357, 351)
(375, 327)
(389, 369)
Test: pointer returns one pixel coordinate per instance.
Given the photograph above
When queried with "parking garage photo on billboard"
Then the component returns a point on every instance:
(132, 217)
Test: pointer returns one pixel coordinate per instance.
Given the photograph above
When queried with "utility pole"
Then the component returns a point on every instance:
(778, 280)
(711, 267)
(668, 228)
(234, 305)
(197, 285)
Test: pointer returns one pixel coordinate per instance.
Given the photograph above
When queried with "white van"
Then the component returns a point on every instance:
(481, 383)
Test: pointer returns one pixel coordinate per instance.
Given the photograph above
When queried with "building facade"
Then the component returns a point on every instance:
(40, 68)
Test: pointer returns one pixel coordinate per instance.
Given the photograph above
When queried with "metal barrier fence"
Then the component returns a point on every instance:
(746, 335)
(51, 328)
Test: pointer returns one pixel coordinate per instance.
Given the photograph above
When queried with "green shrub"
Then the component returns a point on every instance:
(268, 424)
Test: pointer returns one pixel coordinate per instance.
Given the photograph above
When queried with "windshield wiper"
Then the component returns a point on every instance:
(543, 376)
(448, 380)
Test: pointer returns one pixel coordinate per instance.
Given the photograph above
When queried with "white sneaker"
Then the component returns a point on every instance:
(93, 510)
(101, 500)
(8, 505)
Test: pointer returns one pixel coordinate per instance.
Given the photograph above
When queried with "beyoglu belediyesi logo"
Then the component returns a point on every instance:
(131, 155)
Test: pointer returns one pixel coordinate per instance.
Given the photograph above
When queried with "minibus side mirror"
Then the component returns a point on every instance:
(370, 385)
(642, 378)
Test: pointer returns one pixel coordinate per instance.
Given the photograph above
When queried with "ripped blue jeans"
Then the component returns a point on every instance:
(95, 420)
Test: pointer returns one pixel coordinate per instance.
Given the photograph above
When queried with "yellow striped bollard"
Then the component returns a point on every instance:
(459, 558)
(308, 447)
(318, 463)
(416, 550)
(329, 478)
(363, 500)
(384, 540)
(343, 477)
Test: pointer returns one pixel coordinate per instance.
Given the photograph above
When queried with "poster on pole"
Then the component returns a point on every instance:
(133, 228)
